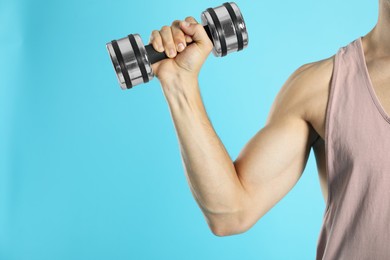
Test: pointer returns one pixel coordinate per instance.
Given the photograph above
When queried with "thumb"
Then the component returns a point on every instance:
(196, 31)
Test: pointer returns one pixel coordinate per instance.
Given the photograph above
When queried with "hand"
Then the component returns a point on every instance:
(185, 61)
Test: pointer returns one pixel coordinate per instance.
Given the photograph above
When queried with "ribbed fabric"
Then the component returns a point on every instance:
(356, 221)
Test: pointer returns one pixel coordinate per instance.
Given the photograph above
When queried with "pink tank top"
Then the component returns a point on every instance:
(356, 221)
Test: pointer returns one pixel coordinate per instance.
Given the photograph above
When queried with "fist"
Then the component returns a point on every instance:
(187, 46)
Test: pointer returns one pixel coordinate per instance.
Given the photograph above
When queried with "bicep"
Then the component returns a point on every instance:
(272, 162)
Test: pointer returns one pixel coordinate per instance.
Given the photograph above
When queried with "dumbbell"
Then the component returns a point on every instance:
(132, 60)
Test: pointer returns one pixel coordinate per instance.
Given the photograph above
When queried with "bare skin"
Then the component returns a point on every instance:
(234, 195)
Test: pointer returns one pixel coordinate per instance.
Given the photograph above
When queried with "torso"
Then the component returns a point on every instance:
(378, 69)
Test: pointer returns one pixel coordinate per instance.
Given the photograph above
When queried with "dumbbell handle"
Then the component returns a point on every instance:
(133, 60)
(155, 56)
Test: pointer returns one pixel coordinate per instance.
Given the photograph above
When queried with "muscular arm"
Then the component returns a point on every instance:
(235, 195)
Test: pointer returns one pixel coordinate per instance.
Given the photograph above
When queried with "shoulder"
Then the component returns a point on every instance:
(305, 91)
(314, 71)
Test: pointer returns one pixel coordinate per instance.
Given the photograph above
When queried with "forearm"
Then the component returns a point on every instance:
(209, 169)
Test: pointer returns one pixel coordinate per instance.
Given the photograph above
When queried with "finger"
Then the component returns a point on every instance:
(188, 39)
(156, 41)
(191, 19)
(195, 31)
(167, 40)
(178, 36)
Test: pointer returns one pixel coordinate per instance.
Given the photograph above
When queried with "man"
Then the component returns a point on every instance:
(339, 106)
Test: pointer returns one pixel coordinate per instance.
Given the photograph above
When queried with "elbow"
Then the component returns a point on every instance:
(224, 229)
(219, 232)
(229, 221)
(222, 232)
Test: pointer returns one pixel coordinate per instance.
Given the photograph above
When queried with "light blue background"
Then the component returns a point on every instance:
(88, 171)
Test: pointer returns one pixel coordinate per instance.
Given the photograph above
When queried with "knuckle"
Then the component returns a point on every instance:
(154, 35)
(176, 22)
(190, 18)
(165, 28)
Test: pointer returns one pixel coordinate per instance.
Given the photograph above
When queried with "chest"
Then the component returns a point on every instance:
(379, 74)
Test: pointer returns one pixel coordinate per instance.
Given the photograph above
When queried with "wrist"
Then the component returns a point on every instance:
(178, 76)
(182, 92)
(181, 84)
